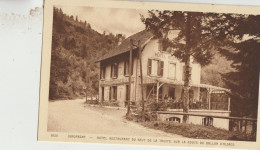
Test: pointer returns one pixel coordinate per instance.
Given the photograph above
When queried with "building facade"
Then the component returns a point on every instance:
(163, 80)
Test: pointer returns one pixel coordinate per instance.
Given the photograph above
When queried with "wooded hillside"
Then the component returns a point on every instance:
(75, 48)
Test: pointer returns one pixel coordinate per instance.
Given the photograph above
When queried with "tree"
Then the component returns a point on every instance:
(242, 34)
(193, 40)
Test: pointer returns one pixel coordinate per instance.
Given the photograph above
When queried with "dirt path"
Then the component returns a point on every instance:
(77, 117)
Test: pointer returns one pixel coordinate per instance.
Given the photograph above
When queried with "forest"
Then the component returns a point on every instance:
(75, 48)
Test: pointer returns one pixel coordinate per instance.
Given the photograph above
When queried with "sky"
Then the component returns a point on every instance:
(110, 20)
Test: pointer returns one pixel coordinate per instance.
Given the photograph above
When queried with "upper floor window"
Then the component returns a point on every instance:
(172, 70)
(126, 67)
(114, 70)
(155, 67)
(102, 72)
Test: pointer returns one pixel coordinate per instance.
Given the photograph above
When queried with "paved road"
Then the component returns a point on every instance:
(74, 116)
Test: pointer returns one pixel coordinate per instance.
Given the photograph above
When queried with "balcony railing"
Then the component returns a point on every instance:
(172, 104)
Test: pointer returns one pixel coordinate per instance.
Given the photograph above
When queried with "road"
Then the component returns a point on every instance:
(75, 116)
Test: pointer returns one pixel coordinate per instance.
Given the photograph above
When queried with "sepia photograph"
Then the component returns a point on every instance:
(150, 74)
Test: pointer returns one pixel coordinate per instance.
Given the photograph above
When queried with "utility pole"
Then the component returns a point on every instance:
(130, 76)
(141, 75)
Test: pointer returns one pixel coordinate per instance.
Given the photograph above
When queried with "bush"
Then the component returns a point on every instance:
(149, 115)
(198, 131)
(154, 106)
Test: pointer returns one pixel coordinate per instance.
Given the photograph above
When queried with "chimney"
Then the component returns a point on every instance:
(119, 38)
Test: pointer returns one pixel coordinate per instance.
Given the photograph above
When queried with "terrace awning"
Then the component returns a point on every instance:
(151, 80)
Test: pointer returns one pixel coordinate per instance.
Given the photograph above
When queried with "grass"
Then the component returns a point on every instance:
(198, 131)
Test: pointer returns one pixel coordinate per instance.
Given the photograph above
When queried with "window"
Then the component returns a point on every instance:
(113, 93)
(114, 70)
(160, 68)
(155, 67)
(172, 70)
(102, 72)
(174, 119)
(207, 121)
(126, 67)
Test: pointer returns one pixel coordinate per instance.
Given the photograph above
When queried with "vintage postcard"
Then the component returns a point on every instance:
(150, 73)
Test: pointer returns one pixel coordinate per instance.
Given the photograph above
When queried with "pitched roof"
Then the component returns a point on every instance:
(143, 36)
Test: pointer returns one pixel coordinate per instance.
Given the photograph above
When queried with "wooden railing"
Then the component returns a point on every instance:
(195, 105)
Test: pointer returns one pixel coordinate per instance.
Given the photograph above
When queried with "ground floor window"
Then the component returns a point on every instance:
(113, 93)
(207, 121)
(174, 119)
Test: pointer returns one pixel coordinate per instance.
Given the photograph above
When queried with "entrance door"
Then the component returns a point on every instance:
(171, 93)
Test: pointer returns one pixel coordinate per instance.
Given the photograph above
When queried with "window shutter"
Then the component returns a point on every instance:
(124, 67)
(111, 72)
(116, 70)
(104, 72)
(162, 67)
(149, 68)
(101, 70)
(115, 92)
(110, 91)
(132, 71)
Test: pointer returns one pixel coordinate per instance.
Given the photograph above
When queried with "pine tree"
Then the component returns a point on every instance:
(242, 34)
